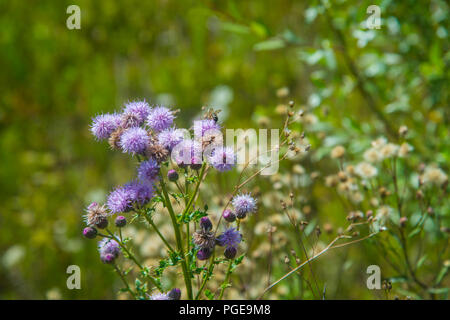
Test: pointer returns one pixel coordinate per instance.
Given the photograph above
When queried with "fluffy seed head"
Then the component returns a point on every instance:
(95, 214)
(204, 239)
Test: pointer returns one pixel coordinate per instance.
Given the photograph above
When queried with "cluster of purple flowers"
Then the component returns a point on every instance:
(109, 250)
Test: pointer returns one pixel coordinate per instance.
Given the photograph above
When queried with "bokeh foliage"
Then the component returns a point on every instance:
(233, 55)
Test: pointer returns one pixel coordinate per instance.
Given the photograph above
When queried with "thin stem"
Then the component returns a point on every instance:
(150, 221)
(121, 275)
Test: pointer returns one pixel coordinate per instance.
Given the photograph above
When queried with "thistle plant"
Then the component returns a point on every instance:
(170, 170)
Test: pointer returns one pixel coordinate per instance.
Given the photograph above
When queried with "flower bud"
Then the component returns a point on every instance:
(103, 223)
(174, 294)
(120, 221)
(108, 258)
(172, 175)
(90, 232)
(230, 252)
(206, 224)
(204, 254)
(229, 216)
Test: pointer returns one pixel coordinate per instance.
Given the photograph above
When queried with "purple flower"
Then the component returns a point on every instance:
(205, 126)
(119, 200)
(204, 254)
(109, 250)
(160, 296)
(174, 294)
(148, 170)
(139, 193)
(160, 118)
(103, 125)
(223, 158)
(140, 109)
(229, 238)
(134, 140)
(243, 204)
(169, 138)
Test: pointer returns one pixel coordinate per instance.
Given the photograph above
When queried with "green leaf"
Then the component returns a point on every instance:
(209, 294)
(271, 44)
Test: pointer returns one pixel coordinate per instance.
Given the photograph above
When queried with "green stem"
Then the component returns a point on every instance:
(186, 274)
(124, 280)
(150, 221)
(205, 280)
(225, 282)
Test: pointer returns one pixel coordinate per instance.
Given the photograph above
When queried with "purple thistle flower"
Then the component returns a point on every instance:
(134, 140)
(160, 118)
(229, 238)
(243, 204)
(174, 294)
(103, 125)
(90, 232)
(108, 247)
(148, 170)
(140, 109)
(169, 138)
(138, 192)
(160, 296)
(223, 158)
(119, 200)
(201, 127)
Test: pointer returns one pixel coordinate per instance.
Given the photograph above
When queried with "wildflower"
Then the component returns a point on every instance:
(109, 250)
(103, 125)
(204, 254)
(134, 140)
(206, 224)
(172, 175)
(204, 239)
(185, 152)
(389, 150)
(160, 118)
(380, 142)
(404, 149)
(129, 120)
(160, 296)
(372, 155)
(139, 109)
(157, 152)
(148, 170)
(96, 215)
(243, 204)
(119, 200)
(201, 127)
(90, 232)
(229, 238)
(230, 252)
(170, 137)
(120, 222)
(338, 152)
(228, 215)
(434, 176)
(174, 294)
(114, 138)
(366, 170)
(139, 193)
(223, 158)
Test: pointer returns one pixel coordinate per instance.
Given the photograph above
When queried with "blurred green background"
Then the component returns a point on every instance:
(233, 55)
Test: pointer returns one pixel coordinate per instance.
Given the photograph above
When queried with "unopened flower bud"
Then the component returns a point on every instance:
(90, 232)
(229, 216)
(108, 258)
(204, 254)
(230, 252)
(206, 224)
(120, 221)
(174, 294)
(103, 223)
(172, 175)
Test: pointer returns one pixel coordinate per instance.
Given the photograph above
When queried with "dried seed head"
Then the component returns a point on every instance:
(157, 152)
(114, 138)
(204, 239)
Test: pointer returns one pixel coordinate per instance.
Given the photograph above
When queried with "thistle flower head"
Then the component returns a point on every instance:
(229, 238)
(201, 127)
(160, 296)
(204, 254)
(138, 192)
(223, 158)
(119, 200)
(140, 109)
(95, 214)
(204, 239)
(103, 125)
(187, 152)
(160, 118)
(134, 140)
(148, 170)
(108, 248)
(243, 204)
(170, 137)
